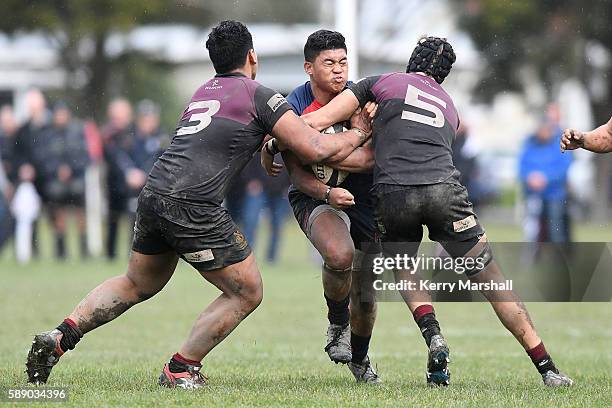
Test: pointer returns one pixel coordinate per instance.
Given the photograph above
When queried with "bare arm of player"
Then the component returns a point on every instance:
(598, 140)
(313, 147)
(307, 183)
(337, 110)
(361, 160)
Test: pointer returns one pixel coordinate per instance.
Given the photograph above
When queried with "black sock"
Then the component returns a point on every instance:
(429, 327)
(178, 363)
(425, 318)
(338, 312)
(360, 346)
(72, 335)
(176, 366)
(541, 359)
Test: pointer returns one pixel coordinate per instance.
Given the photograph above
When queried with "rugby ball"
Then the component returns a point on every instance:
(324, 173)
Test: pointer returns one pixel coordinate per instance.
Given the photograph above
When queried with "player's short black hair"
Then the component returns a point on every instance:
(228, 45)
(322, 40)
(433, 56)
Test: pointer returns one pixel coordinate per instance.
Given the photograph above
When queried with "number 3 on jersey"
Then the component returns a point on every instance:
(412, 99)
(203, 118)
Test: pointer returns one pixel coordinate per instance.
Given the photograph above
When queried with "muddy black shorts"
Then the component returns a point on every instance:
(204, 235)
(401, 212)
(359, 218)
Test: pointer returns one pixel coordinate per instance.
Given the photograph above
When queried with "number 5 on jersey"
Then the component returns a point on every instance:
(412, 99)
(203, 118)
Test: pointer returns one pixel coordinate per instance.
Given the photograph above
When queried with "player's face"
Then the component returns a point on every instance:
(329, 70)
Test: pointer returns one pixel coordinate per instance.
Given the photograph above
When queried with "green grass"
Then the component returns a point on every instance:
(276, 358)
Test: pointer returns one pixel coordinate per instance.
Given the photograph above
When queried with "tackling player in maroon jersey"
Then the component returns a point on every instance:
(416, 183)
(180, 213)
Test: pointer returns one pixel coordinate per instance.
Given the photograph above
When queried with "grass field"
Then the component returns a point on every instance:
(276, 358)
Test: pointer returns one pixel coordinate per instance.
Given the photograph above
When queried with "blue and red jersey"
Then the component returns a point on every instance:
(303, 101)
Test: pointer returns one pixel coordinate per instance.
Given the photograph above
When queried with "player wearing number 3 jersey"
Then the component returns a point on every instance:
(416, 183)
(180, 214)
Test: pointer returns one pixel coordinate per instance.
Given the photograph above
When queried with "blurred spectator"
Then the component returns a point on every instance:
(130, 151)
(465, 152)
(26, 209)
(63, 161)
(26, 146)
(8, 134)
(148, 144)
(117, 135)
(265, 192)
(543, 174)
(28, 135)
(5, 214)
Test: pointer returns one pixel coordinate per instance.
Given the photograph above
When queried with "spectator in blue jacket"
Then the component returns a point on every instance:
(543, 175)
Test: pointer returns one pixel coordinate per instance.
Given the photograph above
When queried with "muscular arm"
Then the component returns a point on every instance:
(302, 179)
(338, 109)
(311, 146)
(308, 184)
(361, 160)
(598, 140)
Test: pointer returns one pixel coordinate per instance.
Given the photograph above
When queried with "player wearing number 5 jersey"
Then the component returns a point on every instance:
(416, 183)
(180, 214)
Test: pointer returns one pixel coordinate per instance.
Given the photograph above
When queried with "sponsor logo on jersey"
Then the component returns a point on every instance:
(464, 224)
(276, 101)
(214, 85)
(199, 256)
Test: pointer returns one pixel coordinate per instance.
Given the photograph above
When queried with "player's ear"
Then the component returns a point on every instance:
(308, 67)
(252, 55)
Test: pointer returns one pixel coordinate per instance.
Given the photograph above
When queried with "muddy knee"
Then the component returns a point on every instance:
(249, 289)
(339, 258)
(139, 294)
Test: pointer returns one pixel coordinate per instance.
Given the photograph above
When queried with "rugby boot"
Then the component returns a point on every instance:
(44, 354)
(364, 372)
(338, 346)
(558, 379)
(189, 379)
(437, 362)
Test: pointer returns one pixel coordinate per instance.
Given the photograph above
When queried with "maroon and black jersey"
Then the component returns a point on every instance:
(413, 130)
(218, 133)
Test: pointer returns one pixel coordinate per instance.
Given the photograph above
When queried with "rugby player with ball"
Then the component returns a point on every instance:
(333, 205)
